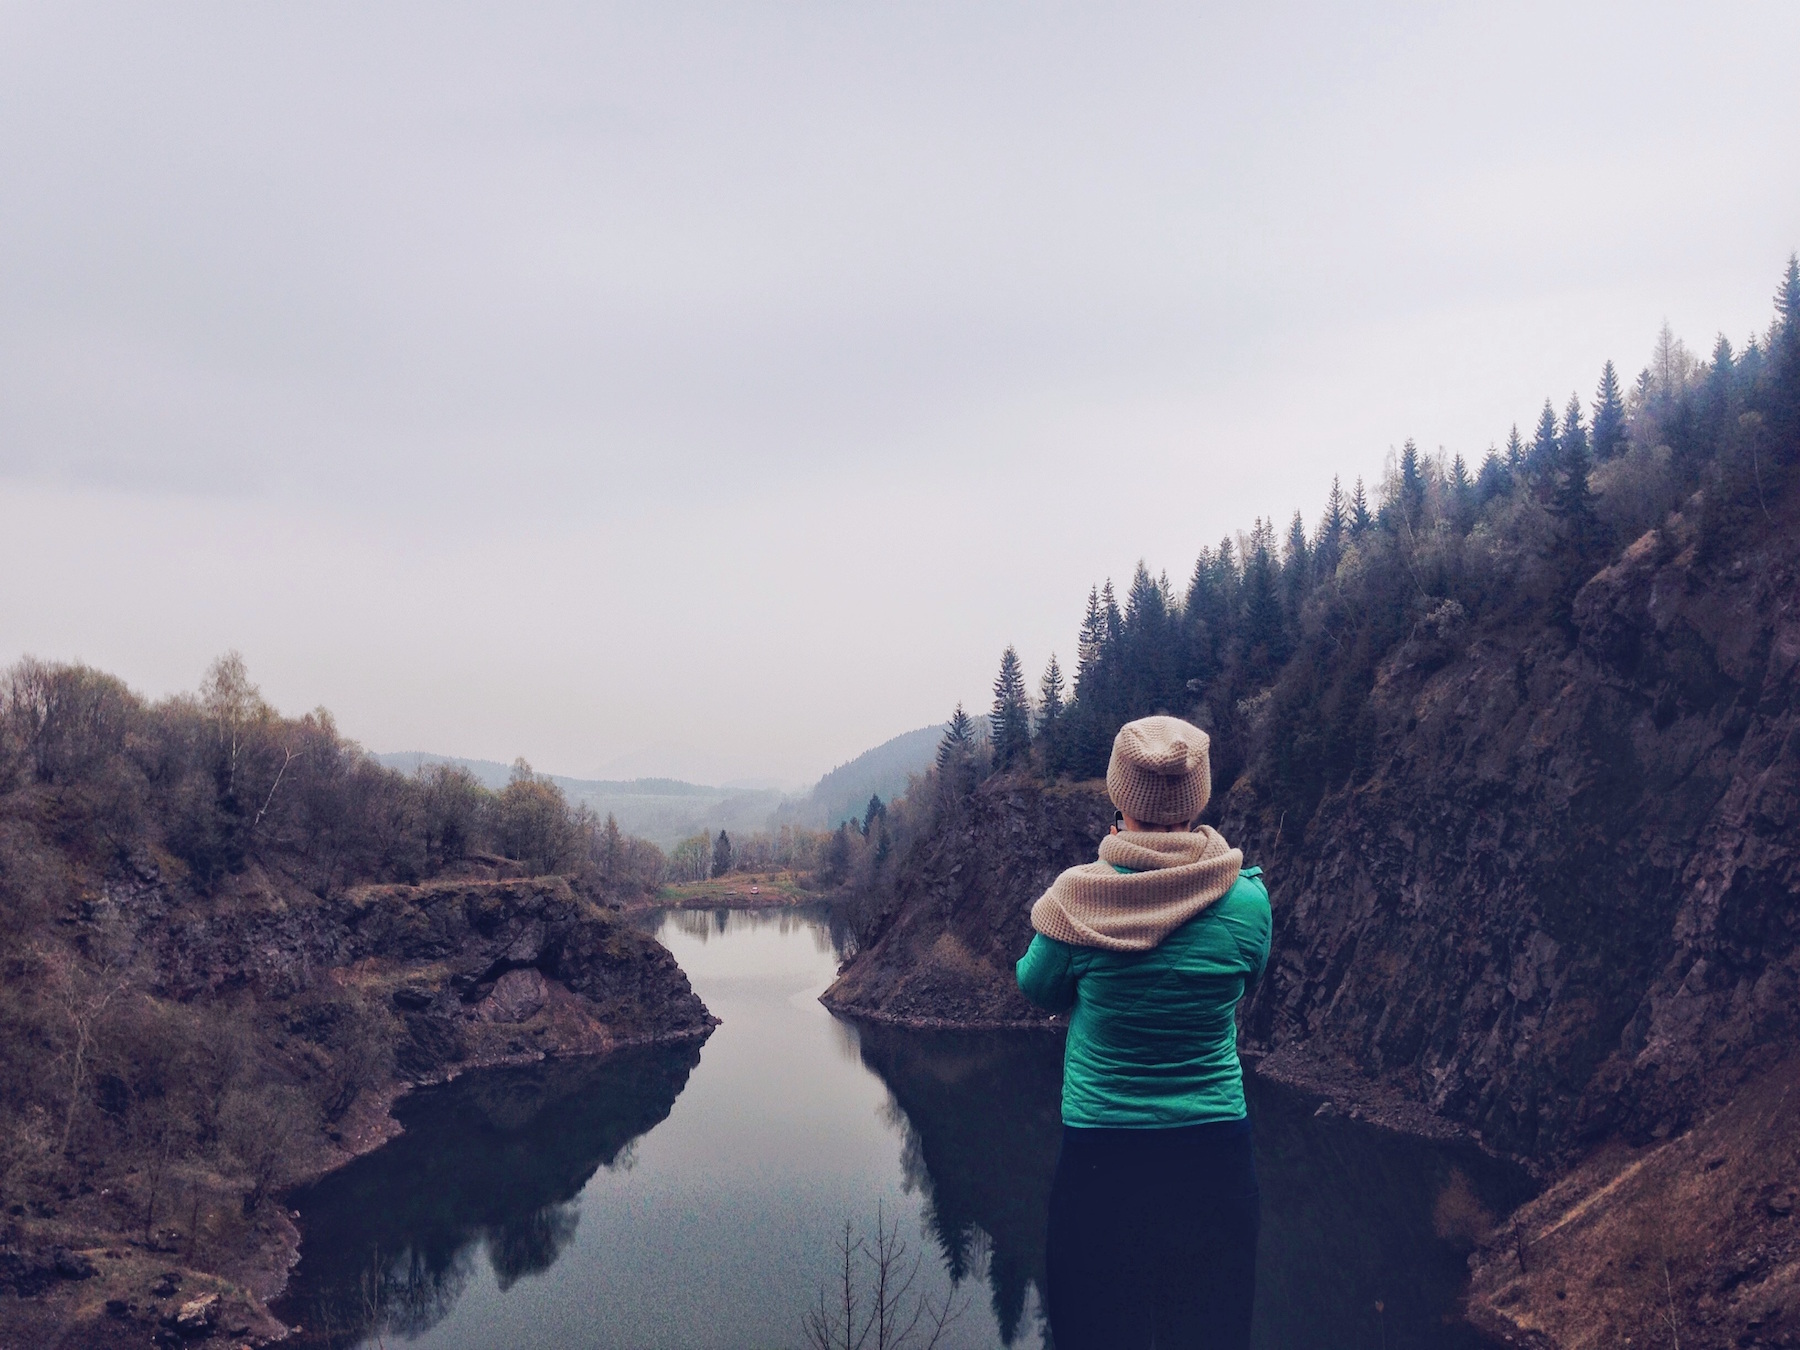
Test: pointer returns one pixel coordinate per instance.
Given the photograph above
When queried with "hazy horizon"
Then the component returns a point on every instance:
(712, 394)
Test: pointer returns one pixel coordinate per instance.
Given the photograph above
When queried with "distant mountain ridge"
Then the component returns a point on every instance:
(843, 794)
(492, 773)
(667, 810)
(663, 810)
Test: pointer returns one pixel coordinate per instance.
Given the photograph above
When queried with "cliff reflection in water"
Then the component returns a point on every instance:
(980, 1119)
(1365, 1232)
(493, 1161)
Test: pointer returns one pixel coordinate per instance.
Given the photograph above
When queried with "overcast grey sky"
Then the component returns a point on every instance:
(715, 390)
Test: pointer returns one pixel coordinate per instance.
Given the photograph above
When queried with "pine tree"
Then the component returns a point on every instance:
(1570, 497)
(1149, 653)
(1540, 459)
(1493, 479)
(959, 735)
(1010, 721)
(1724, 360)
(1198, 585)
(1051, 728)
(1360, 519)
(721, 859)
(1264, 624)
(1089, 648)
(1086, 739)
(1228, 574)
(1328, 548)
(1750, 363)
(1208, 612)
(1051, 695)
(1462, 494)
(1296, 565)
(1572, 439)
(1787, 309)
(1720, 376)
(1409, 500)
(876, 811)
(1609, 415)
(1515, 452)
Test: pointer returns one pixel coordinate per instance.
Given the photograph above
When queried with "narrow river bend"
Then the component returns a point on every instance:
(691, 1197)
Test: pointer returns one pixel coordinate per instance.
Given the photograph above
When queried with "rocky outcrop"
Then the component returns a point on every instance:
(1694, 1240)
(1562, 905)
(352, 998)
(1559, 908)
(474, 971)
(944, 955)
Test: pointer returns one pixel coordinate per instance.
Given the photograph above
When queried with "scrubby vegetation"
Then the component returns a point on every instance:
(169, 1102)
(1274, 642)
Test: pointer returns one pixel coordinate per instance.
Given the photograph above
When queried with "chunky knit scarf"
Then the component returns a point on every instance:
(1172, 877)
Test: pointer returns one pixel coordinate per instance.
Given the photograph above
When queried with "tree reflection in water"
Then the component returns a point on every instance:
(1359, 1243)
(495, 1161)
(980, 1120)
(825, 924)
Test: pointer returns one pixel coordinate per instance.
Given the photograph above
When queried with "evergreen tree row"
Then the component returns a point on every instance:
(1295, 621)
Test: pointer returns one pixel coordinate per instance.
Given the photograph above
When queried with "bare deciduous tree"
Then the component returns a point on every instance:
(872, 1302)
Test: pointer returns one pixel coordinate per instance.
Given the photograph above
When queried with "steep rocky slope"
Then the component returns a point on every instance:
(943, 954)
(353, 998)
(1692, 1241)
(475, 971)
(1560, 908)
(1563, 902)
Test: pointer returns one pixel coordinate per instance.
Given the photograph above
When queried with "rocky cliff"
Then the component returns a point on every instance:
(474, 971)
(1560, 908)
(942, 953)
(280, 1027)
(1562, 904)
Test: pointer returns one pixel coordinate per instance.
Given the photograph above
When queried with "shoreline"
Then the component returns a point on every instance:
(386, 1128)
(1340, 1091)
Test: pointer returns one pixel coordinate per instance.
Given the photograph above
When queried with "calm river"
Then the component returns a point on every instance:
(692, 1197)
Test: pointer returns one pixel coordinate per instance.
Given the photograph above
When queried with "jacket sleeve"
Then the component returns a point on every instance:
(1256, 949)
(1047, 973)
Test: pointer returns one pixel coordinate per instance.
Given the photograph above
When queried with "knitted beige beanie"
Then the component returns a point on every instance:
(1160, 771)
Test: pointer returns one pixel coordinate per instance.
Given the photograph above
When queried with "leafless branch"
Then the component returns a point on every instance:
(292, 755)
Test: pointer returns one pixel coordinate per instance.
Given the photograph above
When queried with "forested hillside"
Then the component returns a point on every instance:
(228, 939)
(1518, 743)
(662, 810)
(844, 793)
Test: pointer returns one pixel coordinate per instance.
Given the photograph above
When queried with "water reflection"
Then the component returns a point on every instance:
(490, 1164)
(1364, 1235)
(581, 1204)
(822, 923)
(979, 1120)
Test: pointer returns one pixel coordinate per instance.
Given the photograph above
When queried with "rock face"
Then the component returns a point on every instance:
(1563, 904)
(945, 954)
(1701, 1227)
(477, 970)
(1560, 908)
